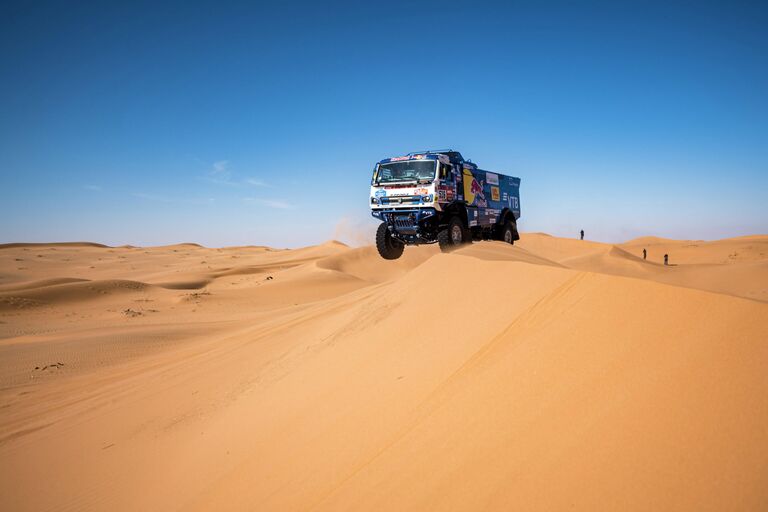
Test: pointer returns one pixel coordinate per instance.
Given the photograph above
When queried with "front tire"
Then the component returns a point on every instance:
(388, 247)
(453, 236)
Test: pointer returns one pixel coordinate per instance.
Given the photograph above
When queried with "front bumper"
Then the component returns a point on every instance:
(412, 226)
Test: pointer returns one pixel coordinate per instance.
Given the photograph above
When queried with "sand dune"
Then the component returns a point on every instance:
(548, 375)
(729, 250)
(27, 245)
(736, 266)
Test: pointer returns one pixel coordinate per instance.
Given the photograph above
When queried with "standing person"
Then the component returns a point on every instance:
(582, 234)
(644, 254)
(666, 259)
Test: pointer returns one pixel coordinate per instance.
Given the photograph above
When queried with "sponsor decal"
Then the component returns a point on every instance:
(446, 193)
(380, 193)
(399, 158)
(418, 157)
(494, 193)
(491, 178)
(421, 191)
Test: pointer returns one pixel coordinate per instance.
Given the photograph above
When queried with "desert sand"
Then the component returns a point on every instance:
(554, 374)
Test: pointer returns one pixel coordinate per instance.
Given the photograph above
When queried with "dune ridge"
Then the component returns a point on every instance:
(552, 374)
(33, 245)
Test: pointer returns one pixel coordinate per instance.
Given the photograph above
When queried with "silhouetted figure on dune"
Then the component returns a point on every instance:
(666, 259)
(582, 234)
(644, 254)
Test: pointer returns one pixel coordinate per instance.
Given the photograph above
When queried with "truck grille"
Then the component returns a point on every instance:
(404, 223)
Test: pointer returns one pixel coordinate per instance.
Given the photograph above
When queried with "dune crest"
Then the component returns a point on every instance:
(35, 245)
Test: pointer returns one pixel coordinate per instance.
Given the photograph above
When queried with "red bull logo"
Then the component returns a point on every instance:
(476, 188)
(473, 189)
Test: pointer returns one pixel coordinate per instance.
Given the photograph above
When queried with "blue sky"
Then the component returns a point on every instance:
(242, 123)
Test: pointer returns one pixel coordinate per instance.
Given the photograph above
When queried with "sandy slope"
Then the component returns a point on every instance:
(735, 266)
(549, 375)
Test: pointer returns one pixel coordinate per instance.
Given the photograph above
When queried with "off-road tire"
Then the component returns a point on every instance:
(388, 247)
(508, 233)
(453, 236)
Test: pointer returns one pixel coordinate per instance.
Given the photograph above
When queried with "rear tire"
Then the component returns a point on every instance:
(508, 233)
(388, 247)
(453, 236)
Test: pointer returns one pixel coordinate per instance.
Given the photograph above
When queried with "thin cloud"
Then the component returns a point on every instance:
(93, 188)
(221, 174)
(221, 168)
(272, 203)
(172, 200)
(276, 203)
(152, 197)
(221, 181)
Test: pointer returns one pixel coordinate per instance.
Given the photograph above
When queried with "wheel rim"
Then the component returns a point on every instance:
(456, 235)
(508, 236)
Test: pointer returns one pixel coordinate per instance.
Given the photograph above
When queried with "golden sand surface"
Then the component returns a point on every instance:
(549, 375)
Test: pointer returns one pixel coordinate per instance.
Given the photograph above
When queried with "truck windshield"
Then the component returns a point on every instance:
(412, 170)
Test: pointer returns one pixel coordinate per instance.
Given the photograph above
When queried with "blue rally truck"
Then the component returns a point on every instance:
(437, 196)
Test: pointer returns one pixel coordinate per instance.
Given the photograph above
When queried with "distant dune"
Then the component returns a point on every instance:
(49, 244)
(550, 375)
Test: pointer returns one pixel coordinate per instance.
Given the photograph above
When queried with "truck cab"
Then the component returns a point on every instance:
(436, 196)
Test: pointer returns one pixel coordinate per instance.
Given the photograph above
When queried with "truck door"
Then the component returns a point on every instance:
(446, 184)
